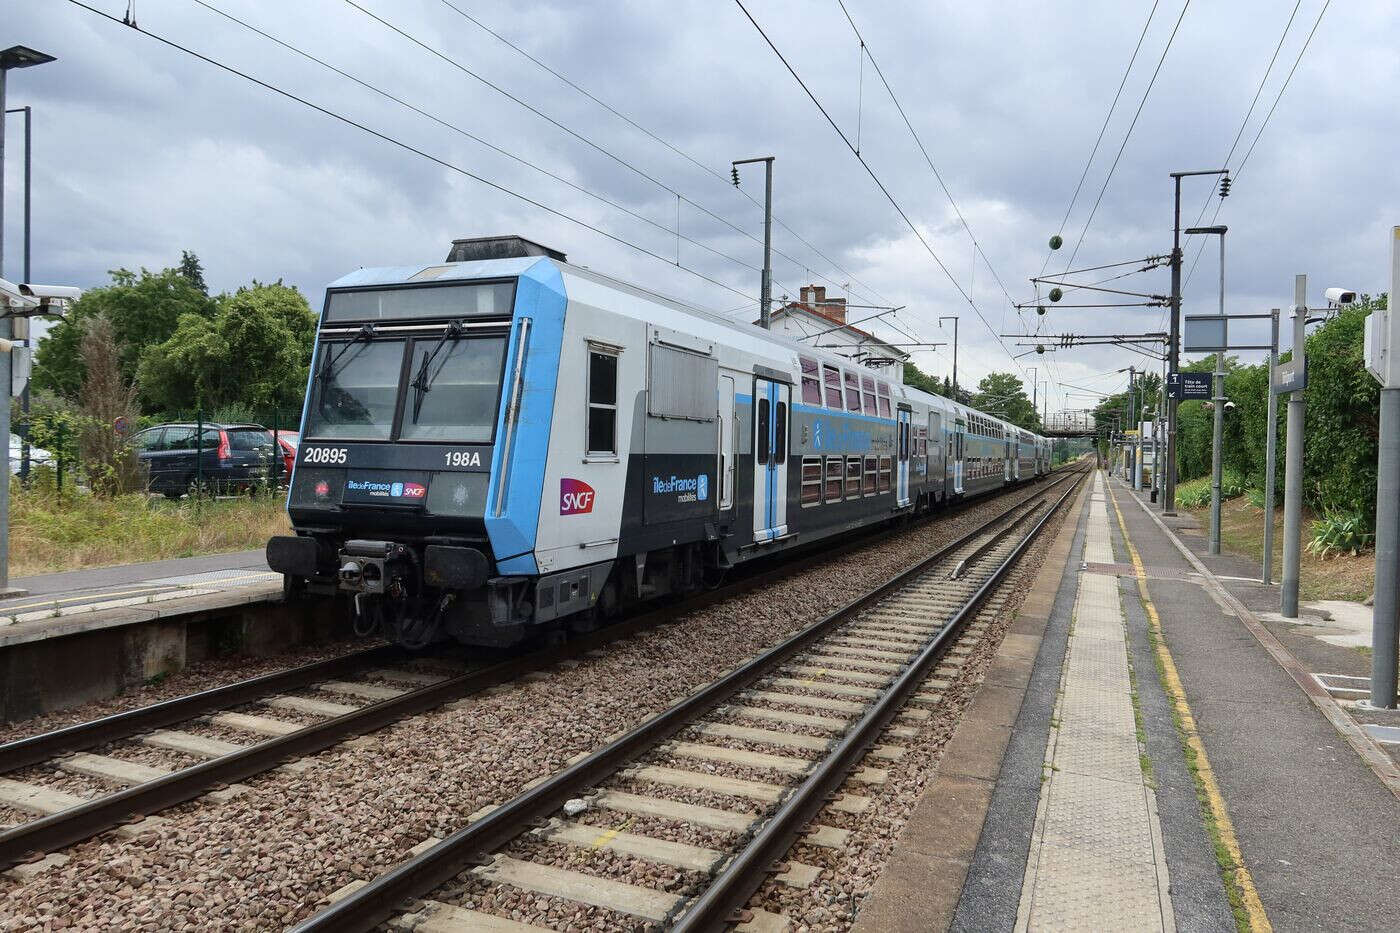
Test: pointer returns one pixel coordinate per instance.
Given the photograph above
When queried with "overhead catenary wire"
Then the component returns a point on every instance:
(408, 147)
(630, 121)
(581, 189)
(1264, 125)
(1102, 129)
(1129, 134)
(878, 182)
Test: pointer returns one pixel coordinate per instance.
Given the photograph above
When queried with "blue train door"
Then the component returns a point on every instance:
(770, 406)
(902, 482)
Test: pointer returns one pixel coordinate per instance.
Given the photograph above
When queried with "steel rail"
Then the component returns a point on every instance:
(744, 874)
(381, 898)
(34, 749)
(131, 804)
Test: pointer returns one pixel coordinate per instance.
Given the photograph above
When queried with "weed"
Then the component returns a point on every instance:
(1338, 531)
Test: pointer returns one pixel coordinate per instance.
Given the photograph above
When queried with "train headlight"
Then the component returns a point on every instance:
(461, 495)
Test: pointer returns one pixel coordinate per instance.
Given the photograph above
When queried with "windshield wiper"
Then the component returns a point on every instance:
(327, 371)
(423, 382)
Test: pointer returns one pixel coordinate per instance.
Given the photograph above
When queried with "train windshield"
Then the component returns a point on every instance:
(454, 390)
(356, 389)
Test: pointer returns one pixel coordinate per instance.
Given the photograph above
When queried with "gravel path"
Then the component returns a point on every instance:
(269, 857)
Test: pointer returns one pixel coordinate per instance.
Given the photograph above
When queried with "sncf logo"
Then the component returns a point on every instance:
(575, 497)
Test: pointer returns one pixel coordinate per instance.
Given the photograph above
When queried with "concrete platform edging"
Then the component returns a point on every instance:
(1361, 742)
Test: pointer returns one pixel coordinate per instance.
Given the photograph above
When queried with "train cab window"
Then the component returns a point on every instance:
(868, 394)
(811, 480)
(884, 400)
(602, 403)
(811, 388)
(853, 477)
(454, 389)
(871, 472)
(852, 393)
(835, 473)
(356, 389)
(831, 381)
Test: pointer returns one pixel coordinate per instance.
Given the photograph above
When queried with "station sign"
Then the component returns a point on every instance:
(1189, 386)
(1290, 377)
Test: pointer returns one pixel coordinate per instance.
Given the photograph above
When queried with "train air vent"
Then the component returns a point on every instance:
(475, 249)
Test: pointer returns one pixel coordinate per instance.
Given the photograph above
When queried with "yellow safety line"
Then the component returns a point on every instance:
(1171, 683)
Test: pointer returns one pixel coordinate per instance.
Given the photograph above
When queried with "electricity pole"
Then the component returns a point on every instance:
(766, 286)
(1293, 458)
(1174, 342)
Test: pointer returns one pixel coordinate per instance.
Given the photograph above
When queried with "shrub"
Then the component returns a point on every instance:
(1340, 530)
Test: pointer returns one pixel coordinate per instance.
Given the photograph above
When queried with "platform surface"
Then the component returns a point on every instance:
(1065, 802)
(58, 601)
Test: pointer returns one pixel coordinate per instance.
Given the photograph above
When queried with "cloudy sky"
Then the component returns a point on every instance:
(142, 150)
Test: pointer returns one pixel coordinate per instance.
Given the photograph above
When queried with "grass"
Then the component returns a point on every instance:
(1338, 576)
(79, 531)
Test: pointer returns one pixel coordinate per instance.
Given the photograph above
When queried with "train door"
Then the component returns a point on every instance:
(935, 452)
(727, 428)
(902, 481)
(770, 401)
(958, 433)
(1013, 458)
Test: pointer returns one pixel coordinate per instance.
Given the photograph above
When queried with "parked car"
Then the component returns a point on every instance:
(36, 454)
(289, 441)
(236, 457)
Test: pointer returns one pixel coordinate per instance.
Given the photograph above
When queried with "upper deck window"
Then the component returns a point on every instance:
(852, 392)
(811, 388)
(432, 302)
(831, 378)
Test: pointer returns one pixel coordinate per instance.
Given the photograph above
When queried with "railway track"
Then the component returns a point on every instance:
(351, 695)
(820, 703)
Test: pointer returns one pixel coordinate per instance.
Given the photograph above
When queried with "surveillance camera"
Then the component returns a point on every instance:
(11, 295)
(48, 293)
(1339, 296)
(1229, 406)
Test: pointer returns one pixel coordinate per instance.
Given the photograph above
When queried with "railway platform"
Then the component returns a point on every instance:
(1150, 750)
(87, 634)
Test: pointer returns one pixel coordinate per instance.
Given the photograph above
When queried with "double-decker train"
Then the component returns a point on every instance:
(504, 444)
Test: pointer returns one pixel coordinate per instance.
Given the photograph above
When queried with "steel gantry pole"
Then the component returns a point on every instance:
(1385, 640)
(1270, 455)
(1218, 428)
(766, 283)
(1293, 458)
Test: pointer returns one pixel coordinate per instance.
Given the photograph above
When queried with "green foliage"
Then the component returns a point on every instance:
(143, 310)
(1338, 531)
(253, 354)
(1003, 396)
(916, 377)
(1341, 427)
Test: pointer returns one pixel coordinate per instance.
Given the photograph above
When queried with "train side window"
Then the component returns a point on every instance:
(811, 480)
(811, 388)
(852, 393)
(835, 473)
(886, 468)
(780, 433)
(762, 449)
(602, 403)
(868, 386)
(853, 477)
(884, 400)
(872, 470)
(831, 378)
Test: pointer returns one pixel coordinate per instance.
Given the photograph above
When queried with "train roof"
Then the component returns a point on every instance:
(683, 317)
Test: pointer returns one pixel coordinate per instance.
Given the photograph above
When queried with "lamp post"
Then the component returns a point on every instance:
(1218, 397)
(28, 277)
(16, 56)
(954, 319)
(766, 285)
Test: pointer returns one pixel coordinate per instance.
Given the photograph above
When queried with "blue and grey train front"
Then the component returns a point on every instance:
(424, 437)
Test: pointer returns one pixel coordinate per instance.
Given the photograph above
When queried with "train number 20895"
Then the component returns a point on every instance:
(326, 455)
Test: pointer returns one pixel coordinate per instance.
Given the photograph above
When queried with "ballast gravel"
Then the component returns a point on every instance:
(269, 857)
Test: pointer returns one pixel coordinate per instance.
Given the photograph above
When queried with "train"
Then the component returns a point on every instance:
(505, 446)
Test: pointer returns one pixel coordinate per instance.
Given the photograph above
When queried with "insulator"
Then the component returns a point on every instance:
(734, 173)
(1225, 187)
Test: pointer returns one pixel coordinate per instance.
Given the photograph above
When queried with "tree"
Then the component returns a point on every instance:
(914, 376)
(191, 269)
(108, 460)
(141, 310)
(1002, 395)
(254, 353)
